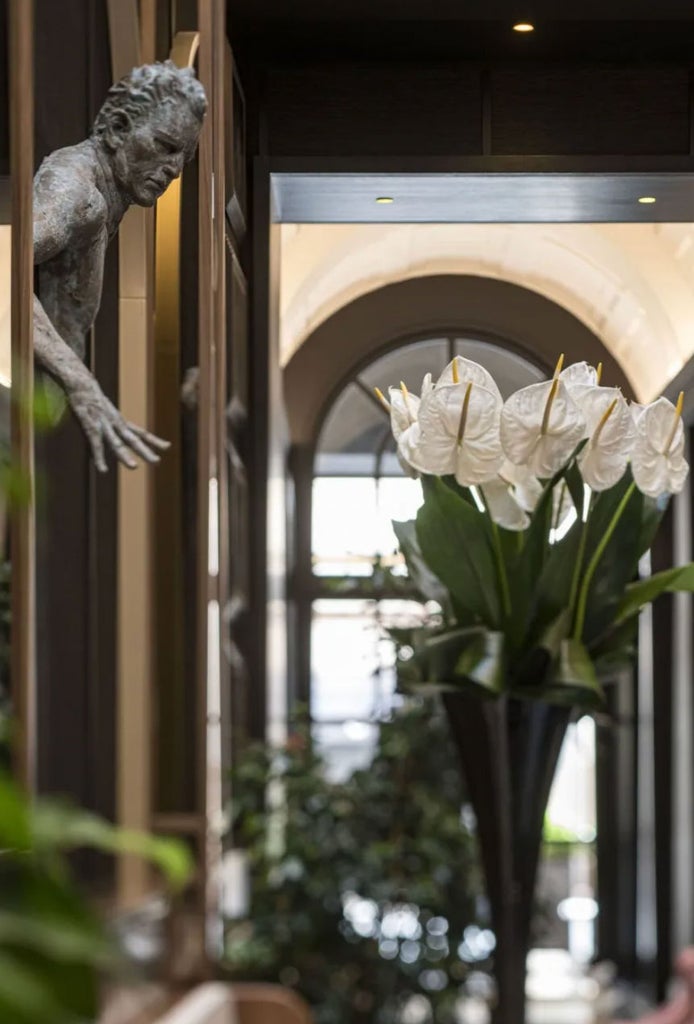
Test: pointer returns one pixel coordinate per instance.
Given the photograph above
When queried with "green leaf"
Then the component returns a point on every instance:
(421, 575)
(618, 565)
(483, 664)
(15, 829)
(572, 681)
(59, 826)
(25, 997)
(454, 540)
(59, 938)
(639, 594)
(653, 511)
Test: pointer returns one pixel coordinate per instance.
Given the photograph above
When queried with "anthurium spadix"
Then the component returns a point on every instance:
(459, 433)
(657, 459)
(611, 431)
(541, 426)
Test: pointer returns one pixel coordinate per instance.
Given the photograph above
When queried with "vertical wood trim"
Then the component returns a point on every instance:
(218, 789)
(148, 31)
(23, 655)
(169, 624)
(134, 608)
(206, 395)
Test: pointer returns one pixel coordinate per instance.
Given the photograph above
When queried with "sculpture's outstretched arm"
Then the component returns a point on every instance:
(101, 421)
(68, 215)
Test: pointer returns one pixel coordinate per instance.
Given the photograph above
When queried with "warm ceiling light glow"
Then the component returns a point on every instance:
(384, 200)
(523, 26)
(646, 199)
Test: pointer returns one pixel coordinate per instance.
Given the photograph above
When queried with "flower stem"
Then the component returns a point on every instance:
(593, 564)
(501, 569)
(579, 559)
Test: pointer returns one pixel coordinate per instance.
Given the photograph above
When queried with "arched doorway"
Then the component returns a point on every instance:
(349, 585)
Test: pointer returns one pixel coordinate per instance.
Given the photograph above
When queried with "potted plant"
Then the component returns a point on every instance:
(362, 890)
(536, 513)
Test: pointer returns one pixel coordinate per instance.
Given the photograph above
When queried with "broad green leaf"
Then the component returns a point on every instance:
(653, 511)
(15, 829)
(483, 663)
(574, 482)
(454, 540)
(571, 682)
(552, 593)
(59, 826)
(421, 575)
(59, 938)
(25, 996)
(644, 591)
(619, 563)
(574, 680)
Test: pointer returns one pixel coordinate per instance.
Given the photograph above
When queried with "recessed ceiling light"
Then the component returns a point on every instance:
(523, 26)
(384, 200)
(646, 199)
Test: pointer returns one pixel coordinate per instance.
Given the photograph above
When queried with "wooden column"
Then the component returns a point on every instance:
(206, 443)
(134, 708)
(23, 536)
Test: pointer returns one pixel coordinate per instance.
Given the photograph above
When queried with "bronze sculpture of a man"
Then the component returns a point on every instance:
(143, 135)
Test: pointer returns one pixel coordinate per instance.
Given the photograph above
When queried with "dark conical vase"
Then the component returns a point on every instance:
(509, 751)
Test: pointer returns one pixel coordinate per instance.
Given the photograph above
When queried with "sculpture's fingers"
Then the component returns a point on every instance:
(119, 448)
(131, 439)
(156, 442)
(97, 446)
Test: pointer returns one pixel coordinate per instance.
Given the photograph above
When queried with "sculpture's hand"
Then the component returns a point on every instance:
(104, 426)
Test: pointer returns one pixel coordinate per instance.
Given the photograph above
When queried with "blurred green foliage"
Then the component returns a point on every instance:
(362, 890)
(53, 947)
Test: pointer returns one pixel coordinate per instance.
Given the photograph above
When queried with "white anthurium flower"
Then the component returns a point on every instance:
(657, 459)
(541, 426)
(525, 487)
(407, 447)
(611, 432)
(580, 375)
(637, 410)
(503, 506)
(404, 409)
(465, 371)
(459, 433)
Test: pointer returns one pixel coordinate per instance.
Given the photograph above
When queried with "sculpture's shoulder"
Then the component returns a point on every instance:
(65, 184)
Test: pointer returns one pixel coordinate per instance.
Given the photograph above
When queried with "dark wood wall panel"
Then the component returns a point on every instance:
(446, 109)
(76, 518)
(391, 110)
(570, 110)
(4, 94)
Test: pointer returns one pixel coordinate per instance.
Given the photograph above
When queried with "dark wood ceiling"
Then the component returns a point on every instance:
(380, 30)
(460, 10)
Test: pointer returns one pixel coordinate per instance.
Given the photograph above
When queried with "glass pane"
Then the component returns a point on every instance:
(408, 363)
(345, 660)
(355, 426)
(352, 522)
(344, 513)
(509, 370)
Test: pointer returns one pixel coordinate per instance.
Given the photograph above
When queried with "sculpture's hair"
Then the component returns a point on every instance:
(147, 88)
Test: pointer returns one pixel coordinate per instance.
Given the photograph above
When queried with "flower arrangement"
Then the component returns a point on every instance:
(536, 513)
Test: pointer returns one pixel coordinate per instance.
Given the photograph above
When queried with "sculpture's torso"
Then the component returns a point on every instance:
(70, 279)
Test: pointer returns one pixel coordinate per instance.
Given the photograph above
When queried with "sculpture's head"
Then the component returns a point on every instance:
(149, 127)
